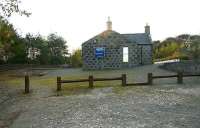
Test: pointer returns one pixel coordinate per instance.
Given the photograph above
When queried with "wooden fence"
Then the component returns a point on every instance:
(179, 77)
(122, 78)
(91, 81)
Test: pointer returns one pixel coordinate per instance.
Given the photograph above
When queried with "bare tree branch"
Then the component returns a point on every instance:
(8, 7)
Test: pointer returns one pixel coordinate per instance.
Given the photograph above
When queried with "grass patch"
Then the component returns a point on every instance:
(49, 81)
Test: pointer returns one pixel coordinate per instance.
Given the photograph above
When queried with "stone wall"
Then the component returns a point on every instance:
(113, 57)
(134, 57)
(183, 66)
(147, 54)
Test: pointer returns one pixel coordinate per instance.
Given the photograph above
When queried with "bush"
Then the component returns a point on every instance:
(76, 58)
(183, 57)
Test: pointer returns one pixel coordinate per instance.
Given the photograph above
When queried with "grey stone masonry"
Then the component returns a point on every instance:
(139, 53)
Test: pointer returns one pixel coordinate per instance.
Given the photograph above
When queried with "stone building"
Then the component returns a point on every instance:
(112, 50)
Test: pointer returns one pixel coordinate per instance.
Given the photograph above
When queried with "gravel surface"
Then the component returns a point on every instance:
(166, 106)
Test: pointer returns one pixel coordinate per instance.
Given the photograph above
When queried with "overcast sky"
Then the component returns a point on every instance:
(79, 20)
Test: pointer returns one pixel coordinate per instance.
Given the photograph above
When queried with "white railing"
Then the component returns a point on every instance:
(167, 61)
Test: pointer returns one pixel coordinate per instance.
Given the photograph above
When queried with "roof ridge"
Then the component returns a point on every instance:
(132, 33)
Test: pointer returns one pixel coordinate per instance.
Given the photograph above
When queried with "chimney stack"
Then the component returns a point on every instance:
(147, 29)
(109, 24)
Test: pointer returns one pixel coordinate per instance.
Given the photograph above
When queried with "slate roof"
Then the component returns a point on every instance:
(139, 38)
(110, 36)
(107, 33)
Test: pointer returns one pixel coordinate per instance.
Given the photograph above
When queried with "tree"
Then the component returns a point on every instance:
(37, 49)
(169, 48)
(8, 7)
(58, 49)
(10, 47)
(76, 58)
(18, 51)
(193, 50)
(52, 50)
(7, 38)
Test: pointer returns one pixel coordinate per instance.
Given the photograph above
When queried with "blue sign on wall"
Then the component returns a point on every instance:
(99, 52)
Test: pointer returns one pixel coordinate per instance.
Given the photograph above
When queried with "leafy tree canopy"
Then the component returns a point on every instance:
(172, 47)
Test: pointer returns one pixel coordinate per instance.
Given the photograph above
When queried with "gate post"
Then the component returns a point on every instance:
(58, 83)
(123, 79)
(180, 78)
(91, 81)
(150, 78)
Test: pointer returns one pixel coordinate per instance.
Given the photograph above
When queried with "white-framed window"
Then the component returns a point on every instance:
(125, 54)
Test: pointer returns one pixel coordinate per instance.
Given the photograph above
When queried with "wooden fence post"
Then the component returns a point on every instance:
(58, 83)
(91, 81)
(123, 79)
(180, 78)
(150, 78)
(27, 83)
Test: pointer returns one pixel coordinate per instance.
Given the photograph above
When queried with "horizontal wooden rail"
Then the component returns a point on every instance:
(191, 75)
(137, 84)
(94, 79)
(107, 79)
(74, 81)
(169, 76)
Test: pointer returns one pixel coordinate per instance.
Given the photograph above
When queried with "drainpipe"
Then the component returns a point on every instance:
(141, 56)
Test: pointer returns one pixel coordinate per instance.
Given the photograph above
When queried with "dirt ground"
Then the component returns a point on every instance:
(165, 104)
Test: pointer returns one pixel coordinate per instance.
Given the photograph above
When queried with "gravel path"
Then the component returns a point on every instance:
(167, 106)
